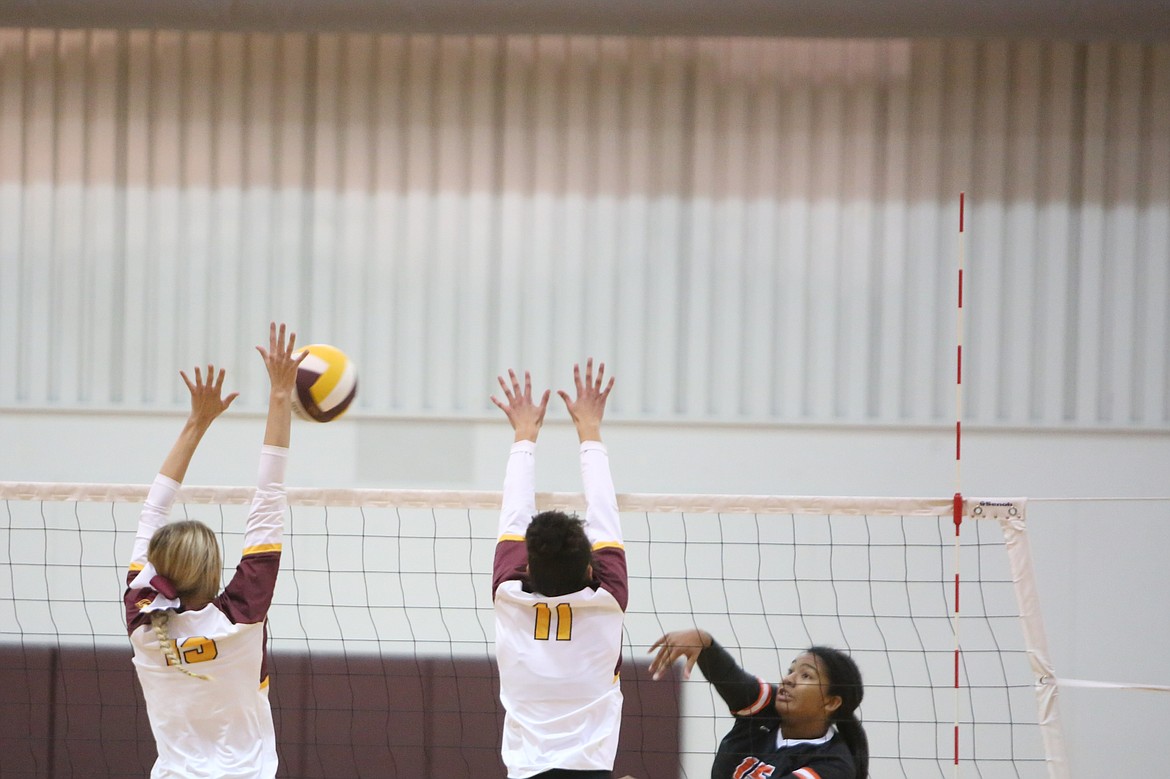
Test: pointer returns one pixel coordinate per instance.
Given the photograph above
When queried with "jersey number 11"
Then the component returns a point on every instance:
(544, 622)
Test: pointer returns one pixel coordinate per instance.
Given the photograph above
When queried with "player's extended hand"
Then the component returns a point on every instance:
(680, 643)
(589, 406)
(207, 401)
(525, 415)
(281, 360)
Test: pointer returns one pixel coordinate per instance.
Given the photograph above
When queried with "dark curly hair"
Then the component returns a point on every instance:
(559, 553)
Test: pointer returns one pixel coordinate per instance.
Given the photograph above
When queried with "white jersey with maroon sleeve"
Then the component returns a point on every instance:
(559, 657)
(220, 727)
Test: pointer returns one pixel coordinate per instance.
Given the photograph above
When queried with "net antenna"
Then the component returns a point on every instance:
(1010, 515)
(957, 507)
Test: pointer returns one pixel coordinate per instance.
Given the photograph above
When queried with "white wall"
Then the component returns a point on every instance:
(758, 236)
(363, 451)
(754, 230)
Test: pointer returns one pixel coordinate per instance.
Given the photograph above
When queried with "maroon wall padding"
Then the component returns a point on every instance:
(78, 711)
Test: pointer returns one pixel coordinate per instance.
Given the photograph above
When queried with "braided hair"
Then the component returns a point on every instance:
(159, 621)
(186, 554)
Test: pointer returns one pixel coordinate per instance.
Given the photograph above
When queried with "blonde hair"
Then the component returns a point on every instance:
(187, 554)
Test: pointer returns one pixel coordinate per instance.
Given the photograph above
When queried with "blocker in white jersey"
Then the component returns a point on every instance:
(559, 591)
(199, 653)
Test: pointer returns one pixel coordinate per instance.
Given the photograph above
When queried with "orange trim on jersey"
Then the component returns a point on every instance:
(261, 549)
(765, 690)
(136, 567)
(608, 545)
(511, 537)
(264, 686)
(806, 773)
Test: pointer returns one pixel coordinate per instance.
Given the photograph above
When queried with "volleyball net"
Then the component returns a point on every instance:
(381, 631)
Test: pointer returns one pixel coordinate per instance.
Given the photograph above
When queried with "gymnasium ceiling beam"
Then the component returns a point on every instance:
(1045, 19)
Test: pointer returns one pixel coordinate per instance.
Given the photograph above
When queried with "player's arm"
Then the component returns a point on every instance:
(249, 594)
(602, 521)
(519, 501)
(744, 693)
(207, 403)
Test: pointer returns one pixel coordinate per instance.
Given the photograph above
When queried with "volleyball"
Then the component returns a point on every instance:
(326, 384)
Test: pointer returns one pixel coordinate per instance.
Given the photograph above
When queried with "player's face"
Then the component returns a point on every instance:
(803, 698)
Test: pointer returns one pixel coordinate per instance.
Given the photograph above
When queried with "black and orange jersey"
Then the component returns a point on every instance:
(754, 748)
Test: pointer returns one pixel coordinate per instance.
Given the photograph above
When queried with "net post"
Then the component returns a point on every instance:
(1011, 514)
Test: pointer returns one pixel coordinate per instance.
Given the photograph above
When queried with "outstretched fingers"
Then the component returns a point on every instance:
(664, 659)
(526, 415)
(603, 393)
(591, 386)
(281, 358)
(672, 646)
(510, 389)
(588, 407)
(207, 401)
(277, 343)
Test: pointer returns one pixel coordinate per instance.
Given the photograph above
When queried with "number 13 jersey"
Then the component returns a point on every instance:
(219, 727)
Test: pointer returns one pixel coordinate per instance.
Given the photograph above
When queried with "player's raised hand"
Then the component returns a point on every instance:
(207, 401)
(281, 359)
(588, 407)
(525, 415)
(672, 646)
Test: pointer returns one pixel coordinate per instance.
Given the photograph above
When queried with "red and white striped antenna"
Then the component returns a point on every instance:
(958, 500)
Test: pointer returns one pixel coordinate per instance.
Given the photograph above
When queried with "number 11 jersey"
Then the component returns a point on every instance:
(559, 657)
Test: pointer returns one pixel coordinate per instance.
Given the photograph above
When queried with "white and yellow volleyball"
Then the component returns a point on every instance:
(326, 384)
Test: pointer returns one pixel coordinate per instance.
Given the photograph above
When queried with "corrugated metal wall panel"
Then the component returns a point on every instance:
(747, 230)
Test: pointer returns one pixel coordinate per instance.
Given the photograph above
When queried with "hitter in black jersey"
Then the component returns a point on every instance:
(804, 727)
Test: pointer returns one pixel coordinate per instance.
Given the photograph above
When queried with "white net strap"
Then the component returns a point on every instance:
(1062, 682)
(645, 503)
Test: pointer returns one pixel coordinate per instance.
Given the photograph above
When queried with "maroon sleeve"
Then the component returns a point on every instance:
(133, 599)
(510, 561)
(609, 569)
(246, 599)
